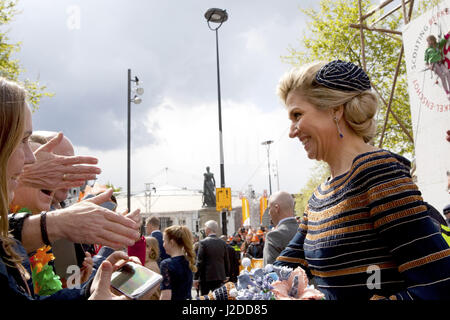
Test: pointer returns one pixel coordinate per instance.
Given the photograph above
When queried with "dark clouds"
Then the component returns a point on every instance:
(168, 46)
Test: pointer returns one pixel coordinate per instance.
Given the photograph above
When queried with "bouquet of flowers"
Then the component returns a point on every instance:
(268, 283)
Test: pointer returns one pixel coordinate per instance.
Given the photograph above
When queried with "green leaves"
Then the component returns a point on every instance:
(319, 174)
(47, 281)
(9, 67)
(115, 190)
(330, 37)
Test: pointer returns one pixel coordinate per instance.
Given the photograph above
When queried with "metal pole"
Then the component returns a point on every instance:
(278, 178)
(268, 167)
(222, 166)
(146, 202)
(128, 142)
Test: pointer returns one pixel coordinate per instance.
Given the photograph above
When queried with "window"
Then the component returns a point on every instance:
(165, 222)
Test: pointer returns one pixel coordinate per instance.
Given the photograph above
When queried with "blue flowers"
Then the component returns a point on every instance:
(256, 284)
(268, 283)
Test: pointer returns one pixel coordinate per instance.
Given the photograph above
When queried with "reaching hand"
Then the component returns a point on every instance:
(87, 222)
(53, 172)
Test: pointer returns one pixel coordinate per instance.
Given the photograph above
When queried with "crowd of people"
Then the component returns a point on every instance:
(369, 212)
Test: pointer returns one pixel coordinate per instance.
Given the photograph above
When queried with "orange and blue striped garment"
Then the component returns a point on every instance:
(366, 234)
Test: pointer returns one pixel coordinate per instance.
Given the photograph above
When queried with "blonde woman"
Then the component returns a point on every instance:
(15, 152)
(366, 232)
(152, 254)
(151, 261)
(177, 271)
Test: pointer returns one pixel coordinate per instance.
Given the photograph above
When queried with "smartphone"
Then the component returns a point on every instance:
(134, 280)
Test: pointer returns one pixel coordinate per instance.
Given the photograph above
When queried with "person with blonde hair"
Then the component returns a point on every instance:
(366, 232)
(37, 230)
(177, 271)
(36, 200)
(151, 261)
(152, 254)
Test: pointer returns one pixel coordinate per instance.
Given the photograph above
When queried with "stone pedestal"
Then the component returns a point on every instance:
(206, 214)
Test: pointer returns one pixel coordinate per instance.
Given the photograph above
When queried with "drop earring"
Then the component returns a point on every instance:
(339, 129)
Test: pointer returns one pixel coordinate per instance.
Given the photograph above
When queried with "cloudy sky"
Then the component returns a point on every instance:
(81, 50)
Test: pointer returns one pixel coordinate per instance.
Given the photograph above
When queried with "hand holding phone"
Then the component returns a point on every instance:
(134, 280)
(101, 285)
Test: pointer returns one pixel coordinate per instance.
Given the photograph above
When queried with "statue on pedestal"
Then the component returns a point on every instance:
(209, 188)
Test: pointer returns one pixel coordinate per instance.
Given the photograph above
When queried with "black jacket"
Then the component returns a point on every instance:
(255, 250)
(213, 263)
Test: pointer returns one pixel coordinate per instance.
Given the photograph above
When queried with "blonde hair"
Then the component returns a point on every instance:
(153, 248)
(360, 107)
(183, 238)
(12, 126)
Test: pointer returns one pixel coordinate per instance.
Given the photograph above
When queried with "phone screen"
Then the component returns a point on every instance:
(134, 280)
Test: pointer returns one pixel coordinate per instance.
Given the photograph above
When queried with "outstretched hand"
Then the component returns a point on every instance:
(87, 222)
(53, 172)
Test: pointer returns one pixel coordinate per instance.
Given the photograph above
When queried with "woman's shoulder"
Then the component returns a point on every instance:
(374, 160)
(381, 169)
(368, 169)
(166, 262)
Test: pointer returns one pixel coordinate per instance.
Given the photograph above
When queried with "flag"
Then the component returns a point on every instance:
(245, 212)
(262, 207)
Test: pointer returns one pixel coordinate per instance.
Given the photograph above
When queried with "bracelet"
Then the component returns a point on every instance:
(44, 228)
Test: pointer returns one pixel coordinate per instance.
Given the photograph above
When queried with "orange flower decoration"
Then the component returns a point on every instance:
(41, 258)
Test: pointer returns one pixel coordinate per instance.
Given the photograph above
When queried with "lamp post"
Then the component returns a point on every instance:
(148, 190)
(219, 16)
(136, 100)
(268, 143)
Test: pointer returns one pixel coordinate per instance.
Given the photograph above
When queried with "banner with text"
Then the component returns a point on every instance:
(427, 54)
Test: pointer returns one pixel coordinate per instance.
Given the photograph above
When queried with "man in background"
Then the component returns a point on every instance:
(281, 211)
(152, 229)
(213, 264)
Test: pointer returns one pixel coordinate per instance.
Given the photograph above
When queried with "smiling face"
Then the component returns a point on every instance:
(314, 128)
(33, 199)
(20, 156)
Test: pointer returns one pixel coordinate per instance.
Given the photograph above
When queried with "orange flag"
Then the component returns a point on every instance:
(262, 207)
(245, 212)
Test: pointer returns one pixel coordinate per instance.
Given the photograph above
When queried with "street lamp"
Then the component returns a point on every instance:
(219, 16)
(136, 100)
(268, 143)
